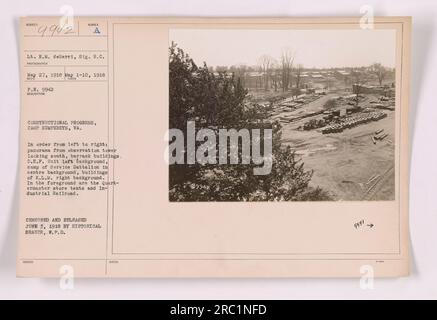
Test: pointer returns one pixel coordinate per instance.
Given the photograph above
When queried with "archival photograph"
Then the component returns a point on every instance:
(282, 115)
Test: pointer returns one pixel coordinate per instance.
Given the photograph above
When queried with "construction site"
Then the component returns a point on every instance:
(345, 134)
(333, 93)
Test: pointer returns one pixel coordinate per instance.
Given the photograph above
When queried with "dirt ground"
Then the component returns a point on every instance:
(347, 164)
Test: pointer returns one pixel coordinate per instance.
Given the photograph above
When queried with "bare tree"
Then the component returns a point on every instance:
(298, 72)
(346, 81)
(239, 72)
(287, 59)
(266, 63)
(379, 70)
(329, 82)
(221, 68)
(274, 75)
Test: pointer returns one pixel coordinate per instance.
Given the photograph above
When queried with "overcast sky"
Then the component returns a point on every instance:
(313, 48)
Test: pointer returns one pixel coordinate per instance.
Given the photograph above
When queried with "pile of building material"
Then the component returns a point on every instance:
(386, 103)
(353, 121)
(314, 124)
(379, 135)
(303, 114)
(298, 102)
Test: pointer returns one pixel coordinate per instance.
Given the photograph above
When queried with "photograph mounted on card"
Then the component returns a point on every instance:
(214, 147)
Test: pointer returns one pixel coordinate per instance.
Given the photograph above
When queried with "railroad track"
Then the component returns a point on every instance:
(377, 184)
